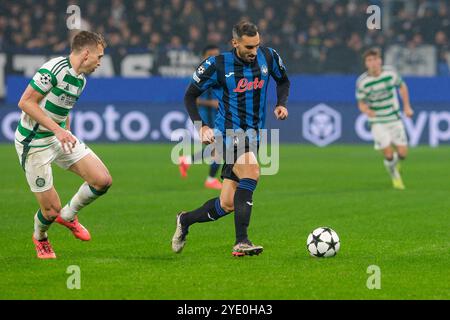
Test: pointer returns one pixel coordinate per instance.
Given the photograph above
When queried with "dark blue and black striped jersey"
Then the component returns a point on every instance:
(240, 87)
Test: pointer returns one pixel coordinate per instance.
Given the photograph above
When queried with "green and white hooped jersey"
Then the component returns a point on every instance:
(61, 88)
(380, 94)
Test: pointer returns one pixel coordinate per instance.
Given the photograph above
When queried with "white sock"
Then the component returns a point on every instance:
(84, 196)
(391, 166)
(210, 179)
(41, 225)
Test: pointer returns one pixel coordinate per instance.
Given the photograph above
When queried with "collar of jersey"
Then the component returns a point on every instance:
(72, 71)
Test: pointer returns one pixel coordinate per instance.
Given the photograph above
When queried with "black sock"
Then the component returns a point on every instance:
(213, 168)
(210, 211)
(243, 203)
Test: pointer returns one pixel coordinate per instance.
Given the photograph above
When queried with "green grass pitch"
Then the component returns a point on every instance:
(405, 233)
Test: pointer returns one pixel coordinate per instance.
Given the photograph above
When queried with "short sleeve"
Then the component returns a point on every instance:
(43, 81)
(397, 79)
(278, 68)
(205, 76)
(361, 93)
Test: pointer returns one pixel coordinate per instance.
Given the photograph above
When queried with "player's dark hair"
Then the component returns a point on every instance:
(372, 52)
(209, 47)
(244, 28)
(85, 39)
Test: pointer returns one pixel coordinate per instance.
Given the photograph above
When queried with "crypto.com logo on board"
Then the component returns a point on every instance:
(322, 125)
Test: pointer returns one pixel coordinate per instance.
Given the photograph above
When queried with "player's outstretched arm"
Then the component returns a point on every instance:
(404, 93)
(29, 103)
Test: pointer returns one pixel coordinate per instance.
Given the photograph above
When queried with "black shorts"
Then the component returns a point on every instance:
(232, 151)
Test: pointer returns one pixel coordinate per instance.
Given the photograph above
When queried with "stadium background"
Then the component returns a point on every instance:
(154, 46)
(135, 99)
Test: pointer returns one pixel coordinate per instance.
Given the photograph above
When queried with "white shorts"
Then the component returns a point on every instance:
(37, 162)
(387, 134)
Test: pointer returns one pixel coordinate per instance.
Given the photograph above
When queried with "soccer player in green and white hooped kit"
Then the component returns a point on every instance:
(43, 137)
(376, 92)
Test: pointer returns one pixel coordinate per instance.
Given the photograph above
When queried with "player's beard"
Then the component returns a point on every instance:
(247, 57)
(251, 58)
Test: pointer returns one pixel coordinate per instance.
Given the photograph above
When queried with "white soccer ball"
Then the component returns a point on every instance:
(323, 242)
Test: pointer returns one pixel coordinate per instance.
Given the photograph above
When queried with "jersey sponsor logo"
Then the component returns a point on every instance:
(67, 100)
(229, 74)
(245, 85)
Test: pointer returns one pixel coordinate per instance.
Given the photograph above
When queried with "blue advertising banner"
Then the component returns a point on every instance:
(319, 123)
(169, 90)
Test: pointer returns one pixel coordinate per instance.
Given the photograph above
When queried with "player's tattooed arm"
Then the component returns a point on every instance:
(29, 103)
(404, 93)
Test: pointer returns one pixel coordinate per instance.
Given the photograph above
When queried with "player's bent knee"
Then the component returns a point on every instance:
(103, 183)
(51, 212)
(227, 206)
(250, 173)
(403, 154)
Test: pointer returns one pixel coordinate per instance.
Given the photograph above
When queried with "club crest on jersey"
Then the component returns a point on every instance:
(245, 85)
(264, 70)
(40, 182)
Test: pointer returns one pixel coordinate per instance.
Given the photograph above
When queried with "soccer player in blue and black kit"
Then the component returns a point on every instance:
(239, 79)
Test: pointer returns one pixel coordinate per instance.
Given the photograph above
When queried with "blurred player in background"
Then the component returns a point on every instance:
(43, 137)
(376, 92)
(239, 79)
(207, 107)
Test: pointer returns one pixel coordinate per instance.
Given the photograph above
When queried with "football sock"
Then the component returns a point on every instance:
(213, 169)
(41, 225)
(210, 211)
(390, 165)
(243, 203)
(84, 196)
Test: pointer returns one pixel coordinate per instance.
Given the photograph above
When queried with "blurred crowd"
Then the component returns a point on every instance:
(313, 36)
